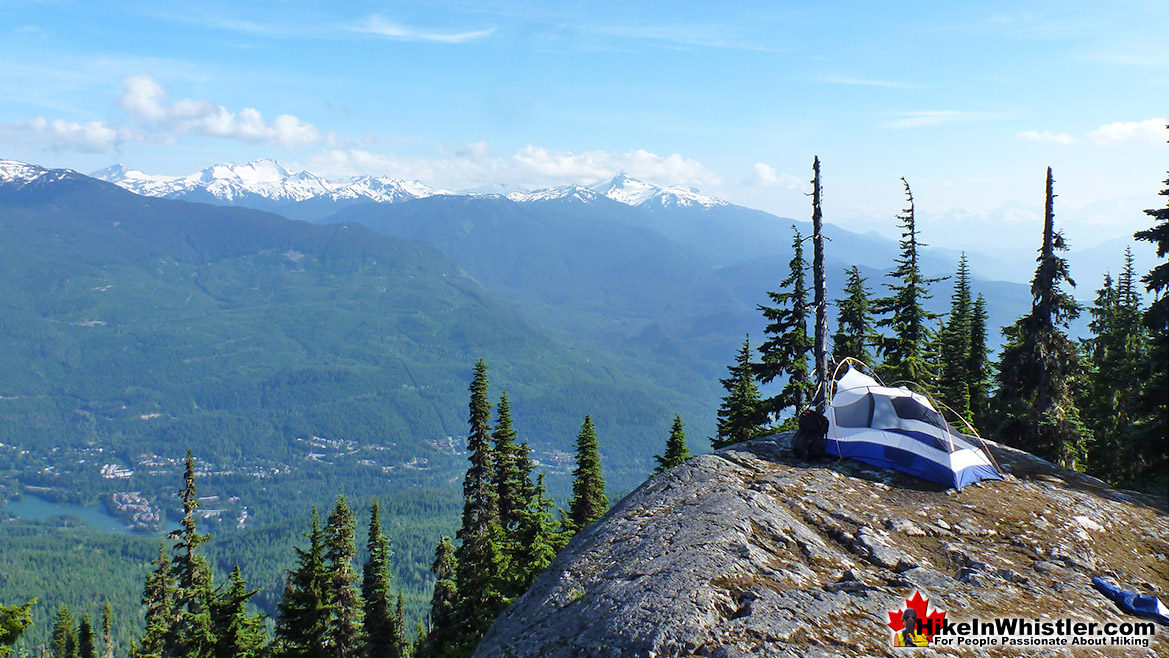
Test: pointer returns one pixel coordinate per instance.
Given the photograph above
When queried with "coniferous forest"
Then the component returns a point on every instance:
(1097, 405)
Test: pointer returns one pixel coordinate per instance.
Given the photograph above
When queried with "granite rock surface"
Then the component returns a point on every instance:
(749, 552)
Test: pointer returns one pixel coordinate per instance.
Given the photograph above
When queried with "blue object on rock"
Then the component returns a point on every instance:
(1141, 605)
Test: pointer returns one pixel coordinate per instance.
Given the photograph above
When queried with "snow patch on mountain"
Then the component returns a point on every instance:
(575, 192)
(634, 192)
(137, 181)
(20, 173)
(267, 179)
(626, 190)
(383, 190)
(271, 180)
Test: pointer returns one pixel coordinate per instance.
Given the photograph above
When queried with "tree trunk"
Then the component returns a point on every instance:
(821, 295)
(1045, 283)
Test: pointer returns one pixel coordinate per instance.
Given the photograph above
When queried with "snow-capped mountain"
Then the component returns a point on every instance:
(626, 190)
(382, 189)
(19, 174)
(265, 180)
(573, 192)
(621, 188)
(634, 192)
(226, 182)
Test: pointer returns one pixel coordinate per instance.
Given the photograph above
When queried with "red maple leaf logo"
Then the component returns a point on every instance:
(930, 622)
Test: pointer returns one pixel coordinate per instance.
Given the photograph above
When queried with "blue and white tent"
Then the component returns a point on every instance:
(897, 428)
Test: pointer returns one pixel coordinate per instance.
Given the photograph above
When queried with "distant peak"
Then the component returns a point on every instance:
(634, 192)
(564, 192)
(12, 171)
(114, 170)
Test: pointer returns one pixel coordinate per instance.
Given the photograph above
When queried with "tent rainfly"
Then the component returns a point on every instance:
(897, 428)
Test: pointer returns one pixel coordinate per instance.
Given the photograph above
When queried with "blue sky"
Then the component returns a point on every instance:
(969, 101)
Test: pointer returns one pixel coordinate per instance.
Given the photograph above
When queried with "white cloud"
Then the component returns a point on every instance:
(477, 164)
(91, 137)
(765, 175)
(862, 82)
(382, 27)
(566, 166)
(480, 149)
(1046, 136)
(158, 120)
(146, 100)
(934, 118)
(1149, 131)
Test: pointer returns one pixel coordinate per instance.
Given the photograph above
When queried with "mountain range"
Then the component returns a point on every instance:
(622, 264)
(267, 185)
(211, 310)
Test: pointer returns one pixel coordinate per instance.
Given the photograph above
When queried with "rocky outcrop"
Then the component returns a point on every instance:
(746, 552)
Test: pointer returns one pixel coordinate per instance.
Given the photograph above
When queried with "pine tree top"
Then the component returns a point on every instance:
(785, 351)
(589, 501)
(339, 532)
(444, 565)
(676, 450)
(1051, 306)
(905, 349)
(480, 497)
(854, 322)
(375, 523)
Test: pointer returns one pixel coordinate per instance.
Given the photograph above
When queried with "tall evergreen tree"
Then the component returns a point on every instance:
(194, 590)
(539, 538)
(854, 320)
(443, 636)
(1103, 407)
(742, 415)
(978, 367)
(1039, 365)
(86, 642)
(158, 596)
(508, 480)
(302, 624)
(237, 633)
(480, 555)
(525, 471)
(786, 348)
(1152, 427)
(676, 450)
(533, 541)
(107, 631)
(343, 631)
(383, 638)
(904, 349)
(64, 639)
(954, 376)
(589, 502)
(402, 648)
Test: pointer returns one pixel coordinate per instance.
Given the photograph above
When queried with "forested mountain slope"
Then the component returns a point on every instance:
(676, 286)
(296, 360)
